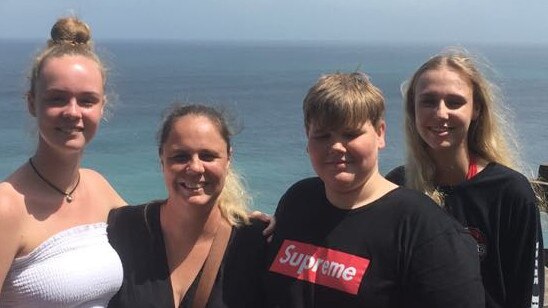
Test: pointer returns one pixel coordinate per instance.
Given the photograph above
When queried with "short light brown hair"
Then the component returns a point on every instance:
(343, 100)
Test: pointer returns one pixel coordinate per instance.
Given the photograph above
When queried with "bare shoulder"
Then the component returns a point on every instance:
(12, 213)
(101, 188)
(12, 199)
(93, 175)
(11, 205)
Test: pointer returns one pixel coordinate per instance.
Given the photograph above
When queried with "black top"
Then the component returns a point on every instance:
(135, 233)
(399, 251)
(498, 207)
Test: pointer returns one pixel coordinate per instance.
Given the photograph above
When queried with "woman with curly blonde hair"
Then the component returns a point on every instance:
(461, 152)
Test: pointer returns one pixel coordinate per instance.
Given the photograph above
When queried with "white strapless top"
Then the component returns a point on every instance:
(76, 267)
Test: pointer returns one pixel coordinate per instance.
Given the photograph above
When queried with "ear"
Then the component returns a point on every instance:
(161, 160)
(476, 112)
(31, 103)
(381, 132)
(103, 106)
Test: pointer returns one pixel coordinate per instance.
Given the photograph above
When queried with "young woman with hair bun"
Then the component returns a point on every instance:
(53, 213)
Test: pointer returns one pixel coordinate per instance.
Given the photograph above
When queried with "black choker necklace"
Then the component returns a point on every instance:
(68, 196)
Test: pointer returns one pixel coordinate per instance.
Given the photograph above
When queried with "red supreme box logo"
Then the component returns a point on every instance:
(320, 265)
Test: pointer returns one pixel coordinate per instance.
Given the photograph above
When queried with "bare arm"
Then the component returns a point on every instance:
(10, 229)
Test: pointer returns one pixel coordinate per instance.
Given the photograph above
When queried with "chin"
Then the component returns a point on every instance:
(72, 147)
(340, 182)
(198, 201)
(440, 148)
(439, 145)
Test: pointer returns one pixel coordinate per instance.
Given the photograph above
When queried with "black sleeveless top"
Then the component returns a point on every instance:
(135, 233)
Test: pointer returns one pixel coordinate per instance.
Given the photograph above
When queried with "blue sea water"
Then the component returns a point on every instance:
(263, 85)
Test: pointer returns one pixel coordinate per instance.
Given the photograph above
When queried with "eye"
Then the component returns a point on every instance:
(208, 156)
(428, 102)
(88, 101)
(319, 135)
(352, 134)
(455, 102)
(180, 158)
(55, 100)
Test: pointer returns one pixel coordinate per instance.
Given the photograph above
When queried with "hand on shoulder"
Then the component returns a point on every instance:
(266, 219)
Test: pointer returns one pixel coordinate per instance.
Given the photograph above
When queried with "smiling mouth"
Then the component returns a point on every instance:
(70, 130)
(193, 186)
(339, 162)
(440, 129)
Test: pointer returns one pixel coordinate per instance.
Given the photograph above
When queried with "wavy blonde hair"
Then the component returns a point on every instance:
(234, 199)
(486, 138)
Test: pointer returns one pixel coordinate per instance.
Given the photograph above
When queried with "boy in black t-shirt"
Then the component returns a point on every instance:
(350, 238)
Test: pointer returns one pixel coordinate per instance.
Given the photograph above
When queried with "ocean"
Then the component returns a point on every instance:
(262, 85)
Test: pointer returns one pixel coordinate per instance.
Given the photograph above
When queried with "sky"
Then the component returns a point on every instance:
(392, 21)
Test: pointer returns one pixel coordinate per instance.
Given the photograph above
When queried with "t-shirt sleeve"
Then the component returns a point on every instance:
(297, 191)
(444, 271)
(522, 247)
(397, 176)
(113, 226)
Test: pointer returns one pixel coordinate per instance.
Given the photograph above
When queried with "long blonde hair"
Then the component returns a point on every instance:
(486, 137)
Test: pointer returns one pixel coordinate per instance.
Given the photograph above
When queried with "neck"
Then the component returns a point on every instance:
(451, 166)
(189, 221)
(374, 188)
(62, 170)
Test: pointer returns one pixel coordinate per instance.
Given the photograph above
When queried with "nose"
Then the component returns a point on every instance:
(337, 146)
(195, 165)
(72, 110)
(442, 111)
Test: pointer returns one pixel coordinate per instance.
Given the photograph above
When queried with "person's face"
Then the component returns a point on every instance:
(444, 109)
(68, 102)
(195, 161)
(345, 158)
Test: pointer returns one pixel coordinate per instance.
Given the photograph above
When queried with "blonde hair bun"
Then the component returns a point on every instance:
(70, 30)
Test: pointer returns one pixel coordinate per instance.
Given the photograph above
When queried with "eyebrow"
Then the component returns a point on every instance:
(60, 91)
(427, 94)
(433, 95)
